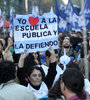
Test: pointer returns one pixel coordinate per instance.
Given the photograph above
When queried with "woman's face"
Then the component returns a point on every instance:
(35, 77)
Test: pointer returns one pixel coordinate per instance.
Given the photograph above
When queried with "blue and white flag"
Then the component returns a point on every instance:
(62, 22)
(81, 21)
(63, 7)
(87, 8)
(75, 20)
(85, 13)
(72, 16)
(11, 21)
(69, 13)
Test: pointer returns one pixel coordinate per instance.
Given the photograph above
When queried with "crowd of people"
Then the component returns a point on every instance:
(54, 74)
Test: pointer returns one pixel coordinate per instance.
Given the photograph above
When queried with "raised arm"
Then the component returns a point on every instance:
(52, 69)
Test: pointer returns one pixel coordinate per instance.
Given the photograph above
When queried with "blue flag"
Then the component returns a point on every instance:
(63, 7)
(72, 16)
(87, 8)
(87, 13)
(62, 22)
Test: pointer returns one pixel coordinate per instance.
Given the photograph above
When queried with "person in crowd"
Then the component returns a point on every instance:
(36, 81)
(76, 41)
(66, 46)
(8, 47)
(9, 88)
(6, 53)
(72, 84)
(26, 69)
(10, 44)
(82, 63)
(58, 66)
(77, 67)
(60, 45)
(81, 51)
(26, 60)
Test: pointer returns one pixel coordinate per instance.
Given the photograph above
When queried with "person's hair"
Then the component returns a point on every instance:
(48, 54)
(73, 65)
(67, 38)
(81, 64)
(74, 81)
(29, 62)
(55, 91)
(7, 71)
(30, 70)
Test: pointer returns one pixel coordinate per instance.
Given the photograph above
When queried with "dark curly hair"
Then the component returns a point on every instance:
(7, 71)
(30, 70)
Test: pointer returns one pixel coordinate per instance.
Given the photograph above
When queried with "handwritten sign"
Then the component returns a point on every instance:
(35, 33)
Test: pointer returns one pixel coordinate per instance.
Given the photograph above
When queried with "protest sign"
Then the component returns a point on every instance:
(35, 33)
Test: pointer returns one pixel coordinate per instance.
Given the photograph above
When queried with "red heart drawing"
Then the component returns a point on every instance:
(33, 21)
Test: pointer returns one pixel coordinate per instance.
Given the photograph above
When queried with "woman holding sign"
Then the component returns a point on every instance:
(35, 78)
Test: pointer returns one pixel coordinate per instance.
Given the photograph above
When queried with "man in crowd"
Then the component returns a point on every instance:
(66, 47)
(72, 85)
(9, 88)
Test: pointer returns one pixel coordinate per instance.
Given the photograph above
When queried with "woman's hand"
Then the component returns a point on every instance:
(21, 59)
(52, 57)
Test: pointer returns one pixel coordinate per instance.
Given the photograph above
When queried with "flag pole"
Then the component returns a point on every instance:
(85, 43)
(26, 5)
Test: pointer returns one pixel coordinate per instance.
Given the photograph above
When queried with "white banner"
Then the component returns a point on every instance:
(35, 33)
